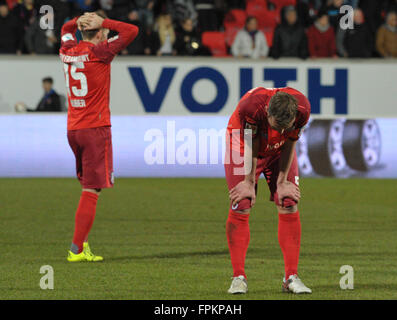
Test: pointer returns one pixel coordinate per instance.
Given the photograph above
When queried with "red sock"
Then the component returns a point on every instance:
(238, 237)
(289, 237)
(85, 215)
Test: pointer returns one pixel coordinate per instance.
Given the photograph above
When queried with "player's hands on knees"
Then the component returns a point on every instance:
(243, 190)
(287, 189)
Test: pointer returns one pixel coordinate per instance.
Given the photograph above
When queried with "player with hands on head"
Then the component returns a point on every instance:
(87, 75)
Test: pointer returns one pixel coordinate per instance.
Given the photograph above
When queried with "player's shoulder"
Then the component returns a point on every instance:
(253, 104)
(103, 52)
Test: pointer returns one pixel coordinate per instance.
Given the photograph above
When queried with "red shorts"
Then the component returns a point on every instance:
(92, 148)
(269, 167)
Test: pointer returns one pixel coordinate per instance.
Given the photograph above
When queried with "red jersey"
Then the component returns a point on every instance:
(87, 73)
(251, 113)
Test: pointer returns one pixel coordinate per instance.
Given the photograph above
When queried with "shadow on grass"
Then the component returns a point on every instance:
(178, 255)
(171, 255)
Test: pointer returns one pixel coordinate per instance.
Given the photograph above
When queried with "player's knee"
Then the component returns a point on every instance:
(96, 191)
(286, 210)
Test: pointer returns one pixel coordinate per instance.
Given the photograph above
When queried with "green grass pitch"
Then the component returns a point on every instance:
(165, 239)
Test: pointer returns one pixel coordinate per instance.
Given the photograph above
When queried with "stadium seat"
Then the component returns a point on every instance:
(230, 34)
(282, 3)
(235, 18)
(233, 22)
(265, 18)
(215, 41)
(269, 36)
(253, 6)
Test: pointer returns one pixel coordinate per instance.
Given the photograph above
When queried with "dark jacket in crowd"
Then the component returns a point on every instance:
(120, 9)
(358, 42)
(334, 16)
(373, 13)
(10, 34)
(289, 41)
(136, 47)
(151, 41)
(50, 102)
(186, 42)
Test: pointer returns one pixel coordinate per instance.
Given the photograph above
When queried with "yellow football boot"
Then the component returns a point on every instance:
(89, 255)
(85, 255)
(72, 257)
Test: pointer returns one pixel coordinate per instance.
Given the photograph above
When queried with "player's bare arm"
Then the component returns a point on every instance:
(246, 188)
(284, 187)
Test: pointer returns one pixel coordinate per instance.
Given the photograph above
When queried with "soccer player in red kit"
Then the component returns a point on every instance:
(261, 135)
(87, 74)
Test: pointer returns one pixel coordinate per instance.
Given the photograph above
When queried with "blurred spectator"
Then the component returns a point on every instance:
(116, 9)
(38, 40)
(207, 17)
(182, 10)
(25, 12)
(356, 42)
(50, 102)
(334, 14)
(316, 5)
(390, 5)
(289, 37)
(11, 3)
(372, 13)
(249, 42)
(10, 31)
(145, 11)
(86, 5)
(306, 12)
(321, 37)
(136, 46)
(166, 35)
(188, 42)
(352, 3)
(386, 38)
(151, 42)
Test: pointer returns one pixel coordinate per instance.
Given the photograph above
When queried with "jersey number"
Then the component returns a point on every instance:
(78, 76)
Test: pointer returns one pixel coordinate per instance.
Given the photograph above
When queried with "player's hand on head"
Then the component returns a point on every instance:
(288, 190)
(92, 20)
(82, 22)
(242, 191)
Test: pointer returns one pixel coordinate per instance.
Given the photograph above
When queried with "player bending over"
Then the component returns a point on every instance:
(275, 118)
(87, 73)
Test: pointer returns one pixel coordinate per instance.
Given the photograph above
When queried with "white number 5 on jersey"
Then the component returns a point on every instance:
(79, 76)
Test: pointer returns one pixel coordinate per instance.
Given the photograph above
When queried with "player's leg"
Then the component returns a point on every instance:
(237, 228)
(289, 227)
(96, 173)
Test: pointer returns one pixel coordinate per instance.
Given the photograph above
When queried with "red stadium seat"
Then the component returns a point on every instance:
(235, 18)
(230, 34)
(233, 22)
(282, 3)
(215, 41)
(265, 18)
(254, 6)
(269, 36)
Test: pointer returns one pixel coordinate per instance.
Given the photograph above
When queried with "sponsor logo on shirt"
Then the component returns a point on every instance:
(67, 37)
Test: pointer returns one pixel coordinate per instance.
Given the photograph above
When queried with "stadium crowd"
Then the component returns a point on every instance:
(250, 28)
